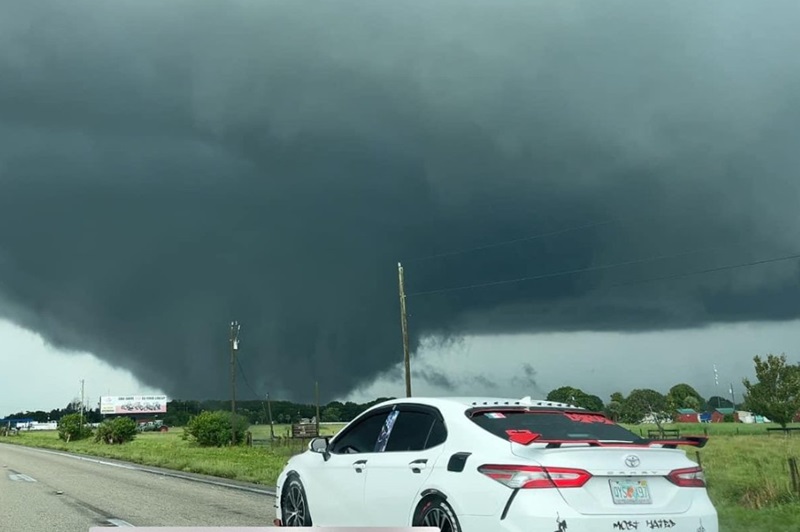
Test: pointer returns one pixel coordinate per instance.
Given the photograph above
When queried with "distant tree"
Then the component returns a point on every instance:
(614, 410)
(116, 431)
(70, 428)
(716, 401)
(592, 402)
(214, 429)
(691, 402)
(577, 397)
(565, 394)
(331, 414)
(679, 394)
(73, 406)
(776, 395)
(642, 402)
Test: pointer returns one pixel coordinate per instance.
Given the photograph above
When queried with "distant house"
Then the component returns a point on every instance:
(687, 415)
(718, 414)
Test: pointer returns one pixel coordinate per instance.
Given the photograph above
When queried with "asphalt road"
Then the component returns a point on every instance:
(57, 492)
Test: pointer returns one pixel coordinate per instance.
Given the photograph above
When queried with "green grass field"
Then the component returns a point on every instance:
(747, 470)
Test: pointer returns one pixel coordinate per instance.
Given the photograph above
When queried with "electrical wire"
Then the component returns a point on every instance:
(508, 242)
(587, 269)
(604, 267)
(244, 377)
(705, 271)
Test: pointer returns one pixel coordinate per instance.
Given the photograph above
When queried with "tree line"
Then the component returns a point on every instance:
(775, 394)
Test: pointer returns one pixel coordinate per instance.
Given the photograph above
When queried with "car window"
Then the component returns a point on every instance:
(386, 431)
(438, 434)
(554, 425)
(362, 437)
(410, 431)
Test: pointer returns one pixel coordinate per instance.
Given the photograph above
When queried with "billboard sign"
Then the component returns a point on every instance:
(133, 404)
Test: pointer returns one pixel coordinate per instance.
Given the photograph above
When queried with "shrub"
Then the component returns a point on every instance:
(213, 429)
(70, 428)
(118, 430)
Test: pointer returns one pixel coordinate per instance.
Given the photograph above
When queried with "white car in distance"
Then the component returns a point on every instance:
(476, 465)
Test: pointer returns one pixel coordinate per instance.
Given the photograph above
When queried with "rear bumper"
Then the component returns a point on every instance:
(583, 523)
(549, 513)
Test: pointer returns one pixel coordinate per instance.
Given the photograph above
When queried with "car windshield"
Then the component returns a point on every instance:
(553, 425)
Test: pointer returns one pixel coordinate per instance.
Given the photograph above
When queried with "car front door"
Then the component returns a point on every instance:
(410, 445)
(336, 491)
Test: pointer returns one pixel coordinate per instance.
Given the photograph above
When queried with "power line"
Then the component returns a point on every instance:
(705, 271)
(576, 271)
(507, 242)
(244, 378)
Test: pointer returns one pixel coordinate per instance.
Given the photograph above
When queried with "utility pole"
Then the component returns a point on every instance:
(316, 395)
(716, 384)
(82, 401)
(235, 327)
(404, 326)
(271, 426)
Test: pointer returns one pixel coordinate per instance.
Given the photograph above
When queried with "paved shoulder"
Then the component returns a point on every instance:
(54, 491)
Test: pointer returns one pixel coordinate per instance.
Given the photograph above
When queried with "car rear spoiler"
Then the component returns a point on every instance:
(526, 437)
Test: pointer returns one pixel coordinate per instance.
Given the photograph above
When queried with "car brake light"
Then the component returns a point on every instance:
(691, 477)
(536, 477)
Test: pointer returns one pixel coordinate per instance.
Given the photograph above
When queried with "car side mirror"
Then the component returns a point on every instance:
(320, 445)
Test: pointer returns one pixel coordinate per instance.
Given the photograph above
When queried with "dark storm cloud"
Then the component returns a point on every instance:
(166, 168)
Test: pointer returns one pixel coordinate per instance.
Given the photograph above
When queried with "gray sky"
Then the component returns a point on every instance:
(167, 168)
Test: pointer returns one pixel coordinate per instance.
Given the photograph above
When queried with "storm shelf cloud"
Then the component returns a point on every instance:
(169, 167)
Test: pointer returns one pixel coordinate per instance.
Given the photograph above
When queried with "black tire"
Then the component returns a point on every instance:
(294, 503)
(437, 513)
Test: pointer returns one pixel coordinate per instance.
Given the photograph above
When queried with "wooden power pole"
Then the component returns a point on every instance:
(269, 413)
(404, 326)
(316, 396)
(234, 348)
(82, 402)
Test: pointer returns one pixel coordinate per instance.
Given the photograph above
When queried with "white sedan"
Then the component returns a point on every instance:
(474, 465)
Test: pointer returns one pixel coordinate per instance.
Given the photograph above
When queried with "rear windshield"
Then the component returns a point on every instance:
(554, 425)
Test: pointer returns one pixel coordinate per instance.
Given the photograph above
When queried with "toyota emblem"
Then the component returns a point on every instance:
(632, 460)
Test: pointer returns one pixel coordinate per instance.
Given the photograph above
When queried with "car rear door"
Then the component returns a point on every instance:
(409, 446)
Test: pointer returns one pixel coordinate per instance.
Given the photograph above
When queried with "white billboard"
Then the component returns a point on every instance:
(133, 404)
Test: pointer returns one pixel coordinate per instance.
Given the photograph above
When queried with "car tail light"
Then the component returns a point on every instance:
(691, 477)
(533, 477)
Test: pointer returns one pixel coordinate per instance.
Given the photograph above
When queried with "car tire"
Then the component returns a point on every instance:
(436, 512)
(294, 503)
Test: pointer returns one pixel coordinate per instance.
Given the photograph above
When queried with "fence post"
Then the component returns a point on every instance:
(699, 461)
(795, 475)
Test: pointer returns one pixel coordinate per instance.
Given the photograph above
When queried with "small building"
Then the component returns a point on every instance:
(20, 423)
(718, 414)
(687, 415)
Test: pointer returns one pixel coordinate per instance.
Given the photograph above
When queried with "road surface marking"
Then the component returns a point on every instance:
(120, 522)
(20, 476)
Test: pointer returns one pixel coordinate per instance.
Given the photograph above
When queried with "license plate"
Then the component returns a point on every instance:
(630, 492)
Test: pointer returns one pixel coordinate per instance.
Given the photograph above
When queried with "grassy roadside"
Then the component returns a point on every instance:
(257, 464)
(747, 473)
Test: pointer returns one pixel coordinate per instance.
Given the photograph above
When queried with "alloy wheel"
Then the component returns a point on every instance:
(294, 507)
(438, 518)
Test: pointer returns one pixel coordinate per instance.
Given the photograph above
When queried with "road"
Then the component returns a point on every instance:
(53, 491)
